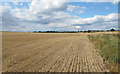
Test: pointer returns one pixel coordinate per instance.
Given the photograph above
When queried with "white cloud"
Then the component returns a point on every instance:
(47, 7)
(70, 8)
(16, 3)
(97, 19)
(95, 0)
(63, 0)
(17, 10)
(6, 3)
(74, 8)
(21, 4)
(115, 1)
(98, 22)
(78, 27)
(79, 11)
(106, 8)
(83, 7)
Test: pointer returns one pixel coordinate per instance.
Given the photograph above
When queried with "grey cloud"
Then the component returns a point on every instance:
(8, 19)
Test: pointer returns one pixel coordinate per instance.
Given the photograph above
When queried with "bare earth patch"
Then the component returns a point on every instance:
(50, 52)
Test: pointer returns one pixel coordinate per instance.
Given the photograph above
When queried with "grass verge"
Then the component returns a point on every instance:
(107, 44)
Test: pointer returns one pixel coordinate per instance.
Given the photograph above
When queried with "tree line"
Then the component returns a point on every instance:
(88, 31)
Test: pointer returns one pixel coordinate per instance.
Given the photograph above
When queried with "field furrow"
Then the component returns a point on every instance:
(31, 52)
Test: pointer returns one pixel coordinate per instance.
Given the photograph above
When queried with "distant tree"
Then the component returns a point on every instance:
(101, 30)
(34, 31)
(112, 29)
(81, 31)
(89, 31)
(85, 31)
(47, 31)
(97, 31)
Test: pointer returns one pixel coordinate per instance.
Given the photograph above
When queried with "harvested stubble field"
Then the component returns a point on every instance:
(50, 52)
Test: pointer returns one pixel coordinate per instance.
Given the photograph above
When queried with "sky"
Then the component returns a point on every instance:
(58, 16)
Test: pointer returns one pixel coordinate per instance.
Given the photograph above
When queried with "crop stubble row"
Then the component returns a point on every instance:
(50, 53)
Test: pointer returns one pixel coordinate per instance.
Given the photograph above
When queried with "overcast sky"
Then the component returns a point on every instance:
(59, 16)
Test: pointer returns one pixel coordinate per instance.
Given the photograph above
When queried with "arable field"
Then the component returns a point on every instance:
(50, 52)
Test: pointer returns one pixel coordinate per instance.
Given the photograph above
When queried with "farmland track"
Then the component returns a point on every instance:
(50, 53)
